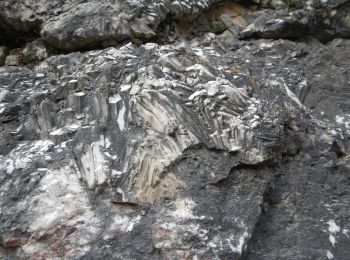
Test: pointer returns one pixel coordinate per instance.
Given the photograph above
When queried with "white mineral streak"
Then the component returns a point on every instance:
(184, 209)
(95, 167)
(290, 94)
(239, 245)
(60, 198)
(159, 149)
(329, 255)
(121, 223)
(333, 229)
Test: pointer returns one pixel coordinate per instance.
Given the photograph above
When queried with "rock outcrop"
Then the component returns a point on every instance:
(174, 129)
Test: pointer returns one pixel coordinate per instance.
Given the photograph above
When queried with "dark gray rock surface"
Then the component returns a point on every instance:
(174, 130)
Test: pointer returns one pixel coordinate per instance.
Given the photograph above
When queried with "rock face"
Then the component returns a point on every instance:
(174, 130)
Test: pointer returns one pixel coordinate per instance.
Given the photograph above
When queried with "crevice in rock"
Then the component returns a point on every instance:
(14, 39)
(270, 197)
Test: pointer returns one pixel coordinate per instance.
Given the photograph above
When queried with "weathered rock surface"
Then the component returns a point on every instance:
(224, 135)
(77, 24)
(72, 25)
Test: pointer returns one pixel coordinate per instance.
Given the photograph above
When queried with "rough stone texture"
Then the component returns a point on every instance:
(223, 135)
(71, 25)
(77, 23)
(3, 54)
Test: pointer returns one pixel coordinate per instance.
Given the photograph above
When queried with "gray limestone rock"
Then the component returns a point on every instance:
(189, 145)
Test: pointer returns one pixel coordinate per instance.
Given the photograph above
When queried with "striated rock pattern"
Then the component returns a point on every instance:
(174, 129)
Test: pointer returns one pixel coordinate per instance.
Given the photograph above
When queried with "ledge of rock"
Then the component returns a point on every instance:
(76, 25)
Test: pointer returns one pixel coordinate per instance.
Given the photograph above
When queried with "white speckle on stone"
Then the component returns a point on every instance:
(45, 146)
(332, 239)
(239, 245)
(40, 75)
(333, 227)
(120, 191)
(108, 143)
(73, 127)
(58, 132)
(197, 93)
(122, 224)
(9, 166)
(212, 245)
(150, 46)
(132, 223)
(114, 99)
(339, 119)
(333, 12)
(79, 94)
(125, 87)
(184, 209)
(329, 255)
(121, 115)
(264, 45)
(279, 20)
(302, 84)
(343, 120)
(22, 163)
(116, 174)
(293, 96)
